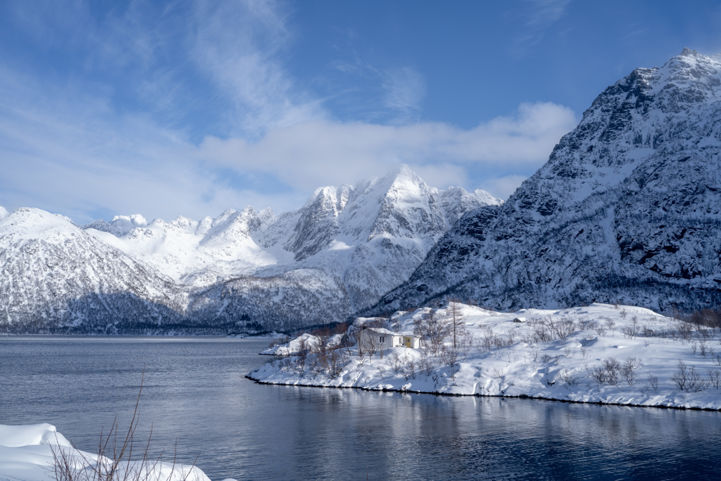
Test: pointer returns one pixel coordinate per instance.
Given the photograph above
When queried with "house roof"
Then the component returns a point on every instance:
(382, 330)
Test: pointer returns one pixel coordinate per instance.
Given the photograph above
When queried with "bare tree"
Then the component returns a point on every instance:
(432, 330)
(456, 321)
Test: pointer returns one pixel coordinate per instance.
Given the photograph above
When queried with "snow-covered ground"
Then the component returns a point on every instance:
(26, 454)
(599, 353)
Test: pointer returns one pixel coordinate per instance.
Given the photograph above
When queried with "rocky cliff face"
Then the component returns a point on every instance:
(627, 209)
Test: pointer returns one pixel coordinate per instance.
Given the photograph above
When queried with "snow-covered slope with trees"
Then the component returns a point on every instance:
(57, 276)
(599, 353)
(627, 209)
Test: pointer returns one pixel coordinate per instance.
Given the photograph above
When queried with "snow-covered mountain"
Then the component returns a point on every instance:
(627, 209)
(241, 271)
(57, 276)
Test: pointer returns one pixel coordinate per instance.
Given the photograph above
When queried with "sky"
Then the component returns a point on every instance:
(194, 107)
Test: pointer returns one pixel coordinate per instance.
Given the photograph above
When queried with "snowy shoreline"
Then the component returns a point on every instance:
(599, 354)
(33, 452)
(503, 396)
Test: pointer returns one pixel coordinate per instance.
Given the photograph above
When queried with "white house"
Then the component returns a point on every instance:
(377, 338)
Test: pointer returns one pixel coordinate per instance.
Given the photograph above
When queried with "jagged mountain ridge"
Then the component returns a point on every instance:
(627, 209)
(241, 271)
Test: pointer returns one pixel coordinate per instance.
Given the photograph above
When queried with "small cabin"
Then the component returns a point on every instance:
(376, 338)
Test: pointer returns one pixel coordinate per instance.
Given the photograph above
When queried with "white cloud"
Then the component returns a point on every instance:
(66, 147)
(310, 153)
(503, 187)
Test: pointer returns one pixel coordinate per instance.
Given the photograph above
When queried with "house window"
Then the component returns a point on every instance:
(382, 339)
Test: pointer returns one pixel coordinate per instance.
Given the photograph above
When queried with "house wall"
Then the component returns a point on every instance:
(370, 340)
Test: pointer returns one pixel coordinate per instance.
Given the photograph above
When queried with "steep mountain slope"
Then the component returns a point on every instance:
(627, 209)
(56, 277)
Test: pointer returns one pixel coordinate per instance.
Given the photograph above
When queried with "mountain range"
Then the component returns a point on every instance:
(243, 271)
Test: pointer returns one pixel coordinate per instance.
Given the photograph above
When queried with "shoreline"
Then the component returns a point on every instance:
(503, 396)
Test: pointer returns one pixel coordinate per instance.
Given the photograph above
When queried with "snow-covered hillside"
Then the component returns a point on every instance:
(627, 209)
(56, 276)
(599, 353)
(243, 271)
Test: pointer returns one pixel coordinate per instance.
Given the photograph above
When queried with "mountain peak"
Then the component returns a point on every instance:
(31, 223)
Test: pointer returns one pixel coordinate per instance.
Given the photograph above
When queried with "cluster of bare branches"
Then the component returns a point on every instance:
(113, 460)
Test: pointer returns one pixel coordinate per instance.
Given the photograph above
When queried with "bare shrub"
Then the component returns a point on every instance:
(632, 330)
(396, 363)
(653, 382)
(600, 329)
(562, 328)
(684, 330)
(628, 369)
(410, 370)
(449, 356)
(489, 340)
(114, 460)
(336, 360)
(610, 324)
(714, 378)
(687, 379)
(432, 330)
(646, 332)
(541, 333)
(426, 362)
(550, 329)
(607, 373)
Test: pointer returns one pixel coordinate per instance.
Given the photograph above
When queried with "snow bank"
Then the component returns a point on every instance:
(600, 354)
(26, 454)
(303, 342)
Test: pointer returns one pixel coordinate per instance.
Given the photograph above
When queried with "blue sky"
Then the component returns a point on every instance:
(169, 108)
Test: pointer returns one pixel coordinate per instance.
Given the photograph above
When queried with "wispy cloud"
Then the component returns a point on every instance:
(404, 89)
(535, 17)
(239, 45)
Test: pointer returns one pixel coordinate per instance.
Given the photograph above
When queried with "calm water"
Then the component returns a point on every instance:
(195, 394)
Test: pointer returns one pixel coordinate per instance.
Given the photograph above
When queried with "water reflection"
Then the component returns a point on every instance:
(195, 392)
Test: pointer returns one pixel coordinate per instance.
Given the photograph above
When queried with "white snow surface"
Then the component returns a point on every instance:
(26, 454)
(552, 354)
